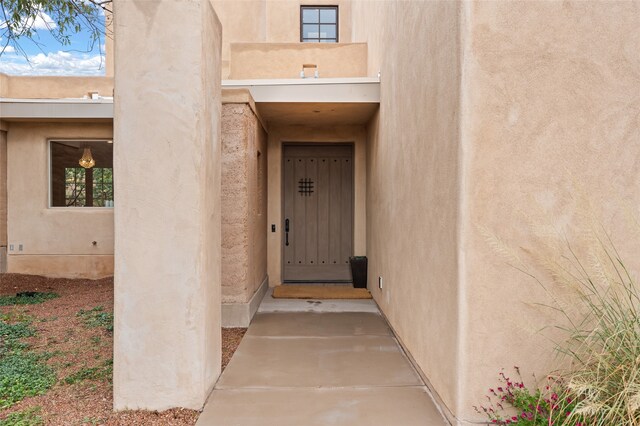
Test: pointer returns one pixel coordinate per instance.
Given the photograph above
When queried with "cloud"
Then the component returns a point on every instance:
(7, 48)
(42, 21)
(54, 63)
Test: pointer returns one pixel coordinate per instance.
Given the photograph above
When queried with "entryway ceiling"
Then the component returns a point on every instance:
(316, 113)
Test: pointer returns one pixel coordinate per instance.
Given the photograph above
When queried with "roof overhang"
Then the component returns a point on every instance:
(55, 109)
(332, 90)
(320, 101)
(310, 101)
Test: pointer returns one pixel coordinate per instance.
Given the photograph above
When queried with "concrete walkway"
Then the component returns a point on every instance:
(319, 363)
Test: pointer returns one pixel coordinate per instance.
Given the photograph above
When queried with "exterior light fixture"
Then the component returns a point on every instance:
(87, 160)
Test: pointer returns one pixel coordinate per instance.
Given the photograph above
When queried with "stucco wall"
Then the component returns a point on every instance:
(3, 201)
(244, 198)
(285, 60)
(279, 134)
(54, 87)
(4, 85)
(271, 21)
(167, 341)
(52, 239)
(552, 115)
(412, 178)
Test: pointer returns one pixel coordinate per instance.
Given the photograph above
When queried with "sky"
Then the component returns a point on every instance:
(49, 57)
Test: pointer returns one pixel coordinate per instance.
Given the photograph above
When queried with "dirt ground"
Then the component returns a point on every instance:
(76, 347)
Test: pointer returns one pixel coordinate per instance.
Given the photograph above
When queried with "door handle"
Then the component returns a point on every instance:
(286, 232)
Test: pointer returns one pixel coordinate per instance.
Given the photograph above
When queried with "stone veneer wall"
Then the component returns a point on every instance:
(244, 197)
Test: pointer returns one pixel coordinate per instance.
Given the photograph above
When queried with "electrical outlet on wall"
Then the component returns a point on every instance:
(10, 247)
(19, 247)
(380, 283)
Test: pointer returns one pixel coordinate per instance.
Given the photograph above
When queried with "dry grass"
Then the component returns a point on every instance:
(595, 302)
(82, 353)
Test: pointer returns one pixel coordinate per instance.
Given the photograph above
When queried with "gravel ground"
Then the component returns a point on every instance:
(60, 330)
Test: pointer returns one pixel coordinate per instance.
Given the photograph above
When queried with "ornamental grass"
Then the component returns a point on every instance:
(596, 302)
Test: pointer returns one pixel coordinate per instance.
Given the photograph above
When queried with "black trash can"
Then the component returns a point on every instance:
(359, 271)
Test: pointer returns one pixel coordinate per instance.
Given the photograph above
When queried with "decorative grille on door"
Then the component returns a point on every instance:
(305, 187)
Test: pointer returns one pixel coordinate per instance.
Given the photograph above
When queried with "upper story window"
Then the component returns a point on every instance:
(81, 173)
(319, 24)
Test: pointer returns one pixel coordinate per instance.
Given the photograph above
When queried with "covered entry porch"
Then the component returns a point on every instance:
(304, 121)
(316, 210)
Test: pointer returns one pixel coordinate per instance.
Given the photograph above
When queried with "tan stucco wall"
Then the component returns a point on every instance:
(3, 201)
(285, 60)
(167, 340)
(67, 266)
(50, 235)
(244, 202)
(546, 107)
(242, 21)
(4, 85)
(552, 111)
(279, 134)
(412, 178)
(271, 21)
(54, 87)
(3, 188)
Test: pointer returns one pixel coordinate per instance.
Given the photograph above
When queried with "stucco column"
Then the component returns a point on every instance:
(167, 203)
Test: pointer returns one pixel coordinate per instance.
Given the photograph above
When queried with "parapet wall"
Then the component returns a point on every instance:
(285, 60)
(53, 87)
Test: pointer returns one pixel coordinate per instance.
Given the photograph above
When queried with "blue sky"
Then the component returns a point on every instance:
(49, 57)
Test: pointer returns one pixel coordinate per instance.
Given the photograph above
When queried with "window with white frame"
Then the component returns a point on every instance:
(319, 24)
(81, 173)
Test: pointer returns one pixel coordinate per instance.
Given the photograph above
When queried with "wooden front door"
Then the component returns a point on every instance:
(318, 213)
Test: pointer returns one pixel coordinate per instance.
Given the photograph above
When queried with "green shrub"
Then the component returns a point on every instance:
(102, 372)
(23, 374)
(27, 298)
(512, 402)
(97, 317)
(10, 335)
(28, 417)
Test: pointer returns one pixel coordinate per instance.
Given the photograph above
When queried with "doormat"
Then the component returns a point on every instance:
(311, 291)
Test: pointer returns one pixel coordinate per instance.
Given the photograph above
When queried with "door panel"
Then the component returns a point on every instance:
(288, 188)
(312, 213)
(346, 209)
(318, 204)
